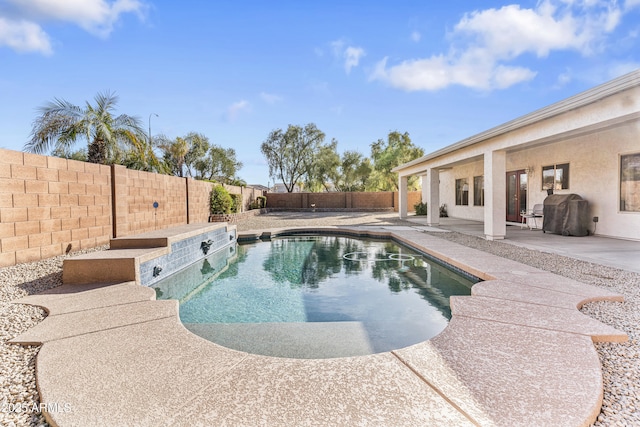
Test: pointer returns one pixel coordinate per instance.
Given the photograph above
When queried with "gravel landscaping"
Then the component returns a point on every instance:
(19, 401)
(621, 362)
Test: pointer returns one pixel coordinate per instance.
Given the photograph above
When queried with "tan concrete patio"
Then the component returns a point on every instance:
(516, 352)
(618, 253)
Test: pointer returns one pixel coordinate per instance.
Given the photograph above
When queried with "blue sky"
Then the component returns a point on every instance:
(236, 70)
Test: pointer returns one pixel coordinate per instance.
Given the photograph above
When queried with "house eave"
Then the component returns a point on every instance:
(590, 96)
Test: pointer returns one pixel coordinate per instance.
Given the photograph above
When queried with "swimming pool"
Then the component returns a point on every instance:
(316, 296)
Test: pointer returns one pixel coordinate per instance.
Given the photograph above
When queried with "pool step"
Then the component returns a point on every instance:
(112, 266)
(300, 340)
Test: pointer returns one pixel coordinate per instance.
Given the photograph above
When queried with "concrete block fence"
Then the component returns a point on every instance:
(51, 206)
(354, 201)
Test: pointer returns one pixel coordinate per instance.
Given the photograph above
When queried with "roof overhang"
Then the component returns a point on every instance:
(598, 93)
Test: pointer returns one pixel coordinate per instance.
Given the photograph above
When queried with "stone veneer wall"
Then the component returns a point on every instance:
(237, 217)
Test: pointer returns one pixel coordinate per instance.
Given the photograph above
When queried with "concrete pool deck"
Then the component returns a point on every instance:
(516, 352)
(617, 253)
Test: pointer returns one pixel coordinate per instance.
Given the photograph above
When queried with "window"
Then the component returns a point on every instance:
(555, 177)
(462, 191)
(478, 191)
(630, 183)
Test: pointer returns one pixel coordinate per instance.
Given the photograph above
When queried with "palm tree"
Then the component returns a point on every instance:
(174, 154)
(62, 123)
(182, 154)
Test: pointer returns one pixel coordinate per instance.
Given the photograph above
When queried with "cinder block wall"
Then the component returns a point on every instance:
(373, 200)
(199, 193)
(341, 200)
(134, 198)
(413, 197)
(248, 194)
(49, 206)
(285, 200)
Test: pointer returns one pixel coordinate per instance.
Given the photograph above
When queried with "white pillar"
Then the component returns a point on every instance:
(495, 199)
(431, 194)
(402, 196)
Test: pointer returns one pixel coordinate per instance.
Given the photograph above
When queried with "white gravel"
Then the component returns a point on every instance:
(621, 362)
(19, 401)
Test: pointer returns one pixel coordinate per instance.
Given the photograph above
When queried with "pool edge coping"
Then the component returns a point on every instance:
(446, 251)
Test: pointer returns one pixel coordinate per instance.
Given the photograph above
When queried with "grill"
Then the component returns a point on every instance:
(566, 214)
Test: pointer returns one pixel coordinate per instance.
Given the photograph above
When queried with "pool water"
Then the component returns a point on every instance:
(364, 296)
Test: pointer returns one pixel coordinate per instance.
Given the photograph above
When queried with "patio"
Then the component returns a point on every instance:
(617, 253)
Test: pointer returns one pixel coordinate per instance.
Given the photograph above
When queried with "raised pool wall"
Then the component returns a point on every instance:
(185, 252)
(149, 257)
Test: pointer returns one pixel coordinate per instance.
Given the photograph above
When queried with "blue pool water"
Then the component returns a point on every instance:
(370, 295)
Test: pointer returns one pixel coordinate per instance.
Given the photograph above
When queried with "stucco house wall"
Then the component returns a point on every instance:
(589, 131)
(594, 174)
(448, 191)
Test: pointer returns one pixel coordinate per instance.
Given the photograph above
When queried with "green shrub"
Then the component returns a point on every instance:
(421, 208)
(261, 201)
(236, 207)
(220, 201)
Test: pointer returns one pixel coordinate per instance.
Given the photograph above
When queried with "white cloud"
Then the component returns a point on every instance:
(485, 42)
(270, 98)
(351, 55)
(416, 36)
(24, 36)
(337, 47)
(235, 109)
(564, 79)
(439, 72)
(621, 68)
(23, 31)
(630, 4)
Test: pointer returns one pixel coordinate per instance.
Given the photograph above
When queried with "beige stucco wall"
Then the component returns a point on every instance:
(448, 191)
(594, 174)
(590, 131)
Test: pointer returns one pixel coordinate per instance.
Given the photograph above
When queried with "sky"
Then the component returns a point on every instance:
(236, 70)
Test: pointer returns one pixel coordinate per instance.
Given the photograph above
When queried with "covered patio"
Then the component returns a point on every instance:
(585, 145)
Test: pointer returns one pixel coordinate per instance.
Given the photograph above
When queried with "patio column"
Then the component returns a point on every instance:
(402, 196)
(495, 203)
(431, 194)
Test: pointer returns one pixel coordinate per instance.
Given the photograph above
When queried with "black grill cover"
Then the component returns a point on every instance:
(566, 214)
